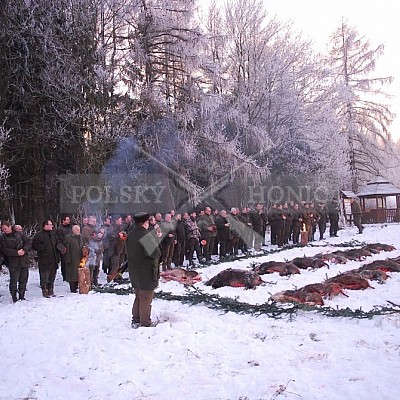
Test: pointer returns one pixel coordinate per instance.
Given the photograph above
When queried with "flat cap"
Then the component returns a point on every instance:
(141, 217)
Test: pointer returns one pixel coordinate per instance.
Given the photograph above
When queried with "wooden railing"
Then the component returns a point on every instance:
(381, 215)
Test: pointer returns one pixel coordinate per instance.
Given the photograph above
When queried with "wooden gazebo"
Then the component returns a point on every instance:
(380, 201)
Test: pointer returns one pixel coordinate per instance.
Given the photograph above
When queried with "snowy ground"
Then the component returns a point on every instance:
(82, 347)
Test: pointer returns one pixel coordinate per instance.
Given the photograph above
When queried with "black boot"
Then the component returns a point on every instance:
(21, 294)
(73, 286)
(45, 291)
(51, 291)
(14, 296)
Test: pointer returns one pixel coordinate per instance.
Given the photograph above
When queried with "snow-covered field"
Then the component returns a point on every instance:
(82, 347)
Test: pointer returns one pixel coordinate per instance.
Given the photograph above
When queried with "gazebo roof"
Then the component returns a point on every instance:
(379, 186)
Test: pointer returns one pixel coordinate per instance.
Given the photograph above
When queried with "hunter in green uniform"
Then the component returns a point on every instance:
(144, 270)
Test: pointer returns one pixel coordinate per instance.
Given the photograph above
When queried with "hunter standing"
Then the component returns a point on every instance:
(75, 243)
(208, 232)
(333, 214)
(15, 247)
(144, 270)
(62, 231)
(46, 244)
(357, 213)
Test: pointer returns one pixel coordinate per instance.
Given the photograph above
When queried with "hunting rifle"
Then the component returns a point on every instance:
(118, 270)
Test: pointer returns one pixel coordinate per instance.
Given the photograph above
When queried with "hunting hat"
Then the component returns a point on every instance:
(141, 217)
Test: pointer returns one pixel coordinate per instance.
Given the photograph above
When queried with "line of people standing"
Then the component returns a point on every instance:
(207, 233)
(179, 236)
(15, 247)
(225, 233)
(66, 245)
(288, 220)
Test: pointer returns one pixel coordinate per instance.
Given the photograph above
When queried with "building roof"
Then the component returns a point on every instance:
(348, 193)
(379, 186)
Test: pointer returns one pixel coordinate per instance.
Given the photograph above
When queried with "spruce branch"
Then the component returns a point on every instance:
(194, 296)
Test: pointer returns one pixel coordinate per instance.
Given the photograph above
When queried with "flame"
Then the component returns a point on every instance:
(82, 262)
(303, 227)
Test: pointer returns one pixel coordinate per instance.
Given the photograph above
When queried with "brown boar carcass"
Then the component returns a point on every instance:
(298, 296)
(350, 281)
(235, 278)
(181, 275)
(326, 290)
(380, 247)
(283, 268)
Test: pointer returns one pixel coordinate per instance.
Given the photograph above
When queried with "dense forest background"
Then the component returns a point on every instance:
(210, 99)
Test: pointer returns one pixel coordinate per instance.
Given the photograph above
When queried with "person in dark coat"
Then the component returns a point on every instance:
(223, 228)
(48, 249)
(356, 213)
(127, 222)
(180, 245)
(62, 231)
(192, 238)
(245, 230)
(116, 237)
(280, 225)
(75, 244)
(234, 232)
(297, 222)
(168, 241)
(107, 246)
(288, 222)
(333, 214)
(258, 222)
(215, 250)
(272, 220)
(309, 220)
(144, 270)
(15, 247)
(322, 212)
(314, 222)
(208, 232)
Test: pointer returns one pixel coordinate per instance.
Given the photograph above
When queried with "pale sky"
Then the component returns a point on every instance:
(377, 21)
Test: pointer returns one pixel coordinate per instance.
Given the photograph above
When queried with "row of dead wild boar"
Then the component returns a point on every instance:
(314, 294)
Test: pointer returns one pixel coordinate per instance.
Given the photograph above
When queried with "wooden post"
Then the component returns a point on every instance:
(84, 280)
(397, 209)
(304, 238)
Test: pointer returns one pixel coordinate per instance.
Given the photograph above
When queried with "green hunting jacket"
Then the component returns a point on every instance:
(143, 259)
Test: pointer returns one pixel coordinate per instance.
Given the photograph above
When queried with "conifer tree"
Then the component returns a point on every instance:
(364, 118)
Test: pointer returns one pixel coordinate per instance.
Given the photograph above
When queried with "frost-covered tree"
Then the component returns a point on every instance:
(159, 81)
(5, 205)
(141, 86)
(273, 95)
(102, 58)
(232, 146)
(27, 111)
(160, 56)
(53, 98)
(364, 118)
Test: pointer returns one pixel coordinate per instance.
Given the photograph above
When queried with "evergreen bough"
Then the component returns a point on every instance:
(194, 296)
